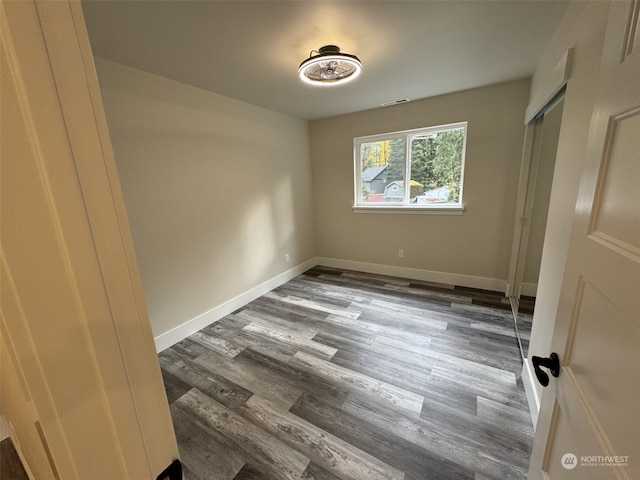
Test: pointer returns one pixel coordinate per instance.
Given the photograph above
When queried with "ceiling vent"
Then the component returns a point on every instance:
(395, 102)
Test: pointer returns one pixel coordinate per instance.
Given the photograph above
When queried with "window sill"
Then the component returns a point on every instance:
(406, 210)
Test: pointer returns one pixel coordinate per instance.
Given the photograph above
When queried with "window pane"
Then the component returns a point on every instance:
(382, 170)
(420, 167)
(436, 167)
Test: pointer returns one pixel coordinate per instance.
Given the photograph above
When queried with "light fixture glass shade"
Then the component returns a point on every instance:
(330, 67)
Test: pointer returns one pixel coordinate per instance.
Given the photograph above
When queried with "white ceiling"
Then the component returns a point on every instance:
(251, 50)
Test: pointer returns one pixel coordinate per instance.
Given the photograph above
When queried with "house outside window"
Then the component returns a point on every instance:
(430, 161)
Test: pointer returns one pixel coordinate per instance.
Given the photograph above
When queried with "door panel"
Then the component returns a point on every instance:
(618, 195)
(590, 414)
(571, 432)
(604, 382)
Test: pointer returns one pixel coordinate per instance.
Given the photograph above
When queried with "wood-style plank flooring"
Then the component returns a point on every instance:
(344, 375)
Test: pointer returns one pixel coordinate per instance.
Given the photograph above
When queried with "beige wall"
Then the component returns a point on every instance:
(477, 243)
(217, 191)
(582, 28)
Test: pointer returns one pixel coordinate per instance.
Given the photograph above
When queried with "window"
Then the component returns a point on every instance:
(413, 169)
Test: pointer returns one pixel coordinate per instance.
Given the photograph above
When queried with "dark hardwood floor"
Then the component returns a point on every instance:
(345, 375)
(10, 466)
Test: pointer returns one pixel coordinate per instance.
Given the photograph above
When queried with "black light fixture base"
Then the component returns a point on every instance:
(329, 50)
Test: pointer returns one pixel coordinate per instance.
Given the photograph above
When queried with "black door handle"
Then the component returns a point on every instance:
(552, 363)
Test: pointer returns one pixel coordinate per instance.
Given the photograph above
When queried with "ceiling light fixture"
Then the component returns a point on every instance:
(329, 67)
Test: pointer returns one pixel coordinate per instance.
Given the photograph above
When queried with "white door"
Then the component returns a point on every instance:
(84, 394)
(589, 424)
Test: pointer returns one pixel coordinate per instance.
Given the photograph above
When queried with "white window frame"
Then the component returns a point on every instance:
(405, 207)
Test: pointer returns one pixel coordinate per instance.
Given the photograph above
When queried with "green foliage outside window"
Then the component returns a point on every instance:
(436, 161)
(435, 156)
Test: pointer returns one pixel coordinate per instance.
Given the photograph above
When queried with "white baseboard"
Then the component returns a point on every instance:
(483, 283)
(530, 390)
(529, 289)
(173, 336)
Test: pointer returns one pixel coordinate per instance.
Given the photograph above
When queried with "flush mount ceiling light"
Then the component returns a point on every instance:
(329, 67)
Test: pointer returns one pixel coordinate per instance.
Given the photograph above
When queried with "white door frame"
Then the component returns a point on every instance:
(94, 381)
(556, 83)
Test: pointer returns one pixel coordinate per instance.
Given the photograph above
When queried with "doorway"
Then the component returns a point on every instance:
(536, 178)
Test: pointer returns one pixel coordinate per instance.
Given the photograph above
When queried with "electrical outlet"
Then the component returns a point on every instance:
(286, 257)
(400, 253)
